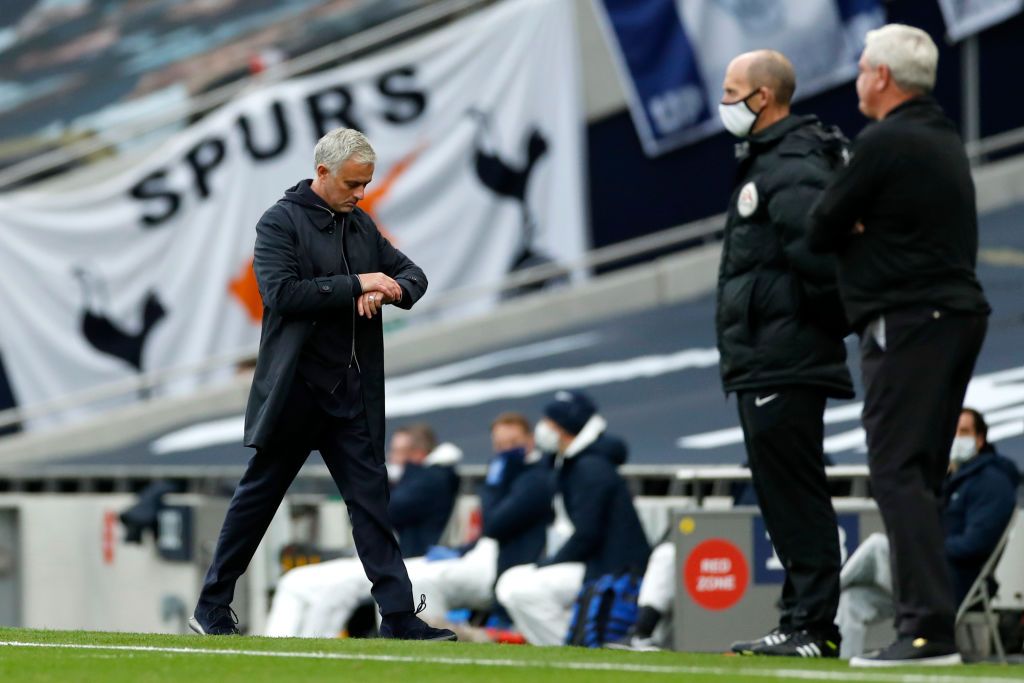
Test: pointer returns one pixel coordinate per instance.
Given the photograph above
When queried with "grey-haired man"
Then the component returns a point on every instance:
(324, 273)
(901, 218)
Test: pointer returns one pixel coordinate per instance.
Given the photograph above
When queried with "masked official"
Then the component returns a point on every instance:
(780, 334)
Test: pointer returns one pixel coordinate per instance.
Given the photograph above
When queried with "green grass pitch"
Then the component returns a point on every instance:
(82, 657)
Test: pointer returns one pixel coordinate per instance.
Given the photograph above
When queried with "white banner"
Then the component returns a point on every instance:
(478, 128)
(966, 17)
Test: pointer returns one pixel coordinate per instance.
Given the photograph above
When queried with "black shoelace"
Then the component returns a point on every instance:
(423, 604)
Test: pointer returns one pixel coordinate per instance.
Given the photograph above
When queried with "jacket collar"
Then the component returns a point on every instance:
(912, 105)
(987, 456)
(594, 427)
(771, 135)
(313, 204)
(445, 455)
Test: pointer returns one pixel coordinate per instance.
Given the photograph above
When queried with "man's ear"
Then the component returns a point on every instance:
(322, 171)
(884, 77)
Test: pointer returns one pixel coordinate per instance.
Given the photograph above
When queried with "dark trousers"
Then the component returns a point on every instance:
(784, 437)
(914, 391)
(344, 444)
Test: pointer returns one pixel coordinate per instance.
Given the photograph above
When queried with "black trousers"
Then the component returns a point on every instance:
(344, 444)
(914, 391)
(783, 431)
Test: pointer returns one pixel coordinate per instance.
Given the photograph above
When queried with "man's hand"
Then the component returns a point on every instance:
(378, 289)
(370, 303)
(379, 282)
(858, 228)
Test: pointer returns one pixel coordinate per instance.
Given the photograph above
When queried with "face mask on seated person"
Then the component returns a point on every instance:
(546, 438)
(964, 448)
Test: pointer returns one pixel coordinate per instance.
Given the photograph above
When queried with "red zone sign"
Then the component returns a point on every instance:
(716, 574)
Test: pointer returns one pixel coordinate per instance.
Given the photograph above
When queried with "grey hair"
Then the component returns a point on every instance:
(909, 52)
(340, 145)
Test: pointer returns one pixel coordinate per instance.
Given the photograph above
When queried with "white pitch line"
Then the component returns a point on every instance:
(805, 674)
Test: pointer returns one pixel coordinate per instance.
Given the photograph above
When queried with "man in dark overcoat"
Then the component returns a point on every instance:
(324, 273)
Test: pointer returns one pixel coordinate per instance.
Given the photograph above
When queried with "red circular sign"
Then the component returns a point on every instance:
(716, 574)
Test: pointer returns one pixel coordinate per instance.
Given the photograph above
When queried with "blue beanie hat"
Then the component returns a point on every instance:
(570, 410)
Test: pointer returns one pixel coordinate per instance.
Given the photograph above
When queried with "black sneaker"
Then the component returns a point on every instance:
(407, 626)
(801, 643)
(773, 637)
(220, 620)
(912, 652)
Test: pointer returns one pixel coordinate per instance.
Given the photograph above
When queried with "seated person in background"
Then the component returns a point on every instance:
(515, 501)
(317, 600)
(424, 490)
(608, 537)
(979, 498)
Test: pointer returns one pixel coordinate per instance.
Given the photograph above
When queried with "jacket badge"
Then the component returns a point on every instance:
(746, 204)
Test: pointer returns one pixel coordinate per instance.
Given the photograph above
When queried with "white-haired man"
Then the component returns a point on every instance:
(901, 218)
(324, 273)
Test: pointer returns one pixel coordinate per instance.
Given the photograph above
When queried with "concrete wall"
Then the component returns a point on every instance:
(74, 569)
(75, 573)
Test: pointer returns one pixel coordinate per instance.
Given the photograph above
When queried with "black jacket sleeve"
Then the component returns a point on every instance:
(802, 182)
(527, 502)
(400, 267)
(276, 265)
(787, 210)
(588, 505)
(850, 192)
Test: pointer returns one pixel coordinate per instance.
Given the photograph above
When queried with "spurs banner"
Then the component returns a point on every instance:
(966, 17)
(478, 129)
(672, 54)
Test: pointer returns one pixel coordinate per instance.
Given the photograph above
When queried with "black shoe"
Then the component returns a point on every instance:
(220, 620)
(912, 652)
(802, 643)
(407, 626)
(773, 637)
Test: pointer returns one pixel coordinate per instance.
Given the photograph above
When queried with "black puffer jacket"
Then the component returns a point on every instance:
(779, 318)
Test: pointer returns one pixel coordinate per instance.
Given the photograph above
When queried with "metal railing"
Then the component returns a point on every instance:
(1000, 142)
(368, 39)
(147, 383)
(697, 483)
